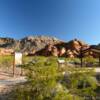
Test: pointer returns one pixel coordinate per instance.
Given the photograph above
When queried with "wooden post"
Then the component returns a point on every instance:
(81, 57)
(21, 67)
(21, 72)
(14, 65)
(81, 61)
(99, 60)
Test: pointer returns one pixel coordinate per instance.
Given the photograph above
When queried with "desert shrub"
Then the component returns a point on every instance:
(45, 81)
(27, 59)
(72, 60)
(6, 61)
(81, 81)
(89, 61)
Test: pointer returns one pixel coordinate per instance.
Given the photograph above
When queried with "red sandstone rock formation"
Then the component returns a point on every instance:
(6, 51)
(45, 46)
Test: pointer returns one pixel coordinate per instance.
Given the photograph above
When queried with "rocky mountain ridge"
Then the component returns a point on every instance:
(42, 45)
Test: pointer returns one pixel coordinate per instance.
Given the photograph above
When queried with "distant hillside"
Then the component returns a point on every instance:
(27, 44)
(7, 42)
(42, 45)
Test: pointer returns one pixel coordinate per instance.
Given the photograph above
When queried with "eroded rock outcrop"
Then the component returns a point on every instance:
(45, 46)
(36, 43)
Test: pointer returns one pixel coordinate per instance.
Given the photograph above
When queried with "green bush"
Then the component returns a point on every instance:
(45, 81)
(6, 61)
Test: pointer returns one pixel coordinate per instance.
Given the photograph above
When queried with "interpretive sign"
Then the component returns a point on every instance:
(18, 58)
(61, 63)
(17, 61)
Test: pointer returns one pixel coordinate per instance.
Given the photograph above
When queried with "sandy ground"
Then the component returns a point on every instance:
(7, 80)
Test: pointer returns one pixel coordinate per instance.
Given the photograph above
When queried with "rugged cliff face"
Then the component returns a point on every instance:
(32, 44)
(66, 49)
(26, 45)
(8, 46)
(42, 45)
(7, 42)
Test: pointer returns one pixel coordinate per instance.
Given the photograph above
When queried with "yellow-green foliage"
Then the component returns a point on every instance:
(27, 59)
(89, 59)
(45, 81)
(6, 61)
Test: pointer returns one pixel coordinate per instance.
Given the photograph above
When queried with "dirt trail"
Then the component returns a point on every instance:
(7, 81)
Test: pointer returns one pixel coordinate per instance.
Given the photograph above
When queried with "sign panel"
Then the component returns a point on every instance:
(61, 61)
(18, 58)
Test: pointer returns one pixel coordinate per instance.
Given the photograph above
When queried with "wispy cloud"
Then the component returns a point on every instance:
(4, 34)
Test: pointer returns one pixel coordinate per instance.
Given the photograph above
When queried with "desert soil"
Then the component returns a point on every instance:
(8, 81)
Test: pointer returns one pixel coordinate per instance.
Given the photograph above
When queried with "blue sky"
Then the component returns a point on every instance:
(64, 19)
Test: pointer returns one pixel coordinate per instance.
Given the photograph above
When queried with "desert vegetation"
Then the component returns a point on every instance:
(47, 81)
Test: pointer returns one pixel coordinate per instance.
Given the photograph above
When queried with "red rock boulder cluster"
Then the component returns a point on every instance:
(70, 49)
(45, 46)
